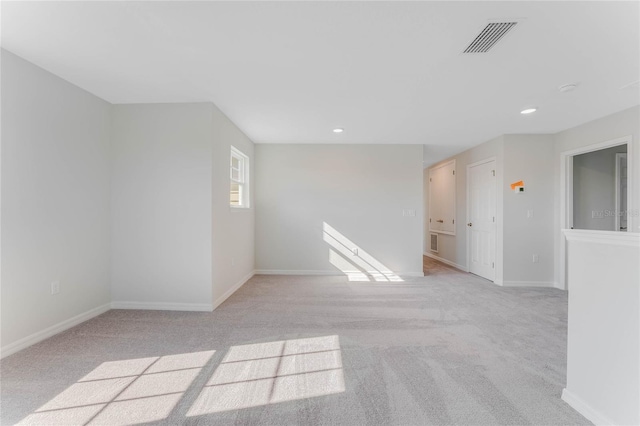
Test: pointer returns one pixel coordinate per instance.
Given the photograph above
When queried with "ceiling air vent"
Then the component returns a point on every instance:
(489, 36)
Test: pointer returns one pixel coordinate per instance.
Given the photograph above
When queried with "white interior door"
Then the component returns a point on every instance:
(481, 223)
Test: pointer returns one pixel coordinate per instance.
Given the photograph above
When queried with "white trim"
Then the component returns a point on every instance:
(39, 336)
(583, 408)
(455, 188)
(325, 273)
(486, 160)
(616, 195)
(598, 146)
(295, 272)
(603, 237)
(162, 306)
(447, 262)
(435, 231)
(244, 179)
(232, 290)
(548, 284)
(566, 191)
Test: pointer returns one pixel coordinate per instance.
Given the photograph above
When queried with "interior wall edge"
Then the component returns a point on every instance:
(220, 300)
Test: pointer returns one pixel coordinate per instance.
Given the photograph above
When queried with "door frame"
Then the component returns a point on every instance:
(616, 197)
(468, 216)
(566, 192)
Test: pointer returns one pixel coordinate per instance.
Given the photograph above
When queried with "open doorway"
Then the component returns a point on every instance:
(594, 190)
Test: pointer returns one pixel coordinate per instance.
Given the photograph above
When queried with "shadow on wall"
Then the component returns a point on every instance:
(352, 260)
(149, 389)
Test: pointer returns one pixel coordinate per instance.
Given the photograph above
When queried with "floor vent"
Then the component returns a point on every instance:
(489, 36)
(434, 243)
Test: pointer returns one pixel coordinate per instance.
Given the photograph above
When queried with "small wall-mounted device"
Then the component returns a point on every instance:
(518, 186)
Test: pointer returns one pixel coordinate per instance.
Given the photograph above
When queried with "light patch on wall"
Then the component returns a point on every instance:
(124, 392)
(347, 268)
(272, 372)
(352, 260)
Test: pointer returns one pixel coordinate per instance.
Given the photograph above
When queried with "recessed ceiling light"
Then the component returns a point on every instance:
(338, 130)
(528, 110)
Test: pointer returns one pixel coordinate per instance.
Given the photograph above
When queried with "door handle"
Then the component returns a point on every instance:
(469, 224)
(440, 221)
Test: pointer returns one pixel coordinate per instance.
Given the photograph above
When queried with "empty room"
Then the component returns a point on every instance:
(320, 212)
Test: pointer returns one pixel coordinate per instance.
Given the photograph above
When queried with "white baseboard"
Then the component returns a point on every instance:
(163, 306)
(232, 290)
(71, 322)
(51, 331)
(558, 286)
(325, 273)
(295, 272)
(446, 262)
(583, 408)
(547, 284)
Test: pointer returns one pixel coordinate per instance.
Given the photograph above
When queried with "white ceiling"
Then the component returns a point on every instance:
(388, 72)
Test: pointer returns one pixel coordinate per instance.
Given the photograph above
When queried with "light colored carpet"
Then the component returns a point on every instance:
(449, 348)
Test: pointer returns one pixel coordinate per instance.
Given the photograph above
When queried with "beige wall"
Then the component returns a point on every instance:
(125, 205)
(359, 190)
(161, 205)
(603, 344)
(55, 201)
(176, 242)
(233, 247)
(614, 126)
(528, 158)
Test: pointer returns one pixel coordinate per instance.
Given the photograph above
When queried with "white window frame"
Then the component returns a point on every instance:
(243, 177)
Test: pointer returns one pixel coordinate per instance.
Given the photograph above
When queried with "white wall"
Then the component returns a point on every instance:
(594, 181)
(161, 253)
(359, 190)
(528, 158)
(603, 352)
(618, 125)
(55, 201)
(233, 243)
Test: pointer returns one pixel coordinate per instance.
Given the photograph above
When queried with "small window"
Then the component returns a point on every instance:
(239, 174)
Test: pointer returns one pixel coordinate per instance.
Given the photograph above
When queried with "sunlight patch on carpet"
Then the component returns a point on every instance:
(272, 372)
(123, 392)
